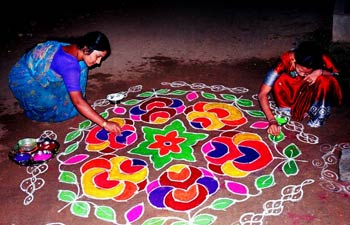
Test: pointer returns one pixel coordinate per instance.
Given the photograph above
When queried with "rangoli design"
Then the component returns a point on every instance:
(329, 168)
(186, 153)
(182, 188)
(236, 154)
(168, 144)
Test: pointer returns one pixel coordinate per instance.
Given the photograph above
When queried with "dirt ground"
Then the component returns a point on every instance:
(193, 53)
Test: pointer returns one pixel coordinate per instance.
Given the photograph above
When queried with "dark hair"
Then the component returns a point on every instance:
(309, 55)
(94, 40)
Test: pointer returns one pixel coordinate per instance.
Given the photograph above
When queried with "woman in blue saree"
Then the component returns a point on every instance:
(49, 81)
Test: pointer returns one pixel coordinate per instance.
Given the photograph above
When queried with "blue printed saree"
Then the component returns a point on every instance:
(40, 91)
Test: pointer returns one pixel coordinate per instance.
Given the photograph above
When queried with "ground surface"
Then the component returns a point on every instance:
(185, 55)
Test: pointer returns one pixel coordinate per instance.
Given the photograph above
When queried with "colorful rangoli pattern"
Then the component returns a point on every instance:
(181, 149)
(168, 144)
(237, 154)
(157, 110)
(98, 139)
(182, 188)
(215, 116)
(113, 177)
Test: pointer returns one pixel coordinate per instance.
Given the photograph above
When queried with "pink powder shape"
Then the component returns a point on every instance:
(135, 117)
(131, 139)
(154, 184)
(260, 125)
(191, 96)
(180, 109)
(134, 213)
(206, 172)
(42, 156)
(237, 188)
(207, 147)
(119, 110)
(76, 159)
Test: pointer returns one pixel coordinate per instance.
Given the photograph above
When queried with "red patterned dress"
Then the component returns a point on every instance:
(298, 98)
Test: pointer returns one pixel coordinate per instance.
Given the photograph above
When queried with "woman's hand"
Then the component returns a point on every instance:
(85, 109)
(274, 129)
(112, 127)
(311, 78)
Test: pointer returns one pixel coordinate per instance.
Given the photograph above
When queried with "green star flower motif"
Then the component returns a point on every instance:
(171, 142)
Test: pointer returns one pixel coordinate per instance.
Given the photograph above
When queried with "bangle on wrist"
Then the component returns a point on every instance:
(273, 122)
(104, 124)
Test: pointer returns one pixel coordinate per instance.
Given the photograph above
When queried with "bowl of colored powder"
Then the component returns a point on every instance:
(31, 151)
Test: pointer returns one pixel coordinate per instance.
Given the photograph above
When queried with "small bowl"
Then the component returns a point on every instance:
(27, 145)
(42, 156)
(21, 158)
(116, 98)
(47, 144)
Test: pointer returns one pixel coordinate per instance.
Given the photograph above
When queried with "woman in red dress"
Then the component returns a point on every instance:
(303, 84)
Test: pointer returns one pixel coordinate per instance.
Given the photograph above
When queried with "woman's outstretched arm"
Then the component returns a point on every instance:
(273, 129)
(86, 110)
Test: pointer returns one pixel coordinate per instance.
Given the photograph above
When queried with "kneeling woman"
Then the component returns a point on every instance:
(49, 81)
(303, 84)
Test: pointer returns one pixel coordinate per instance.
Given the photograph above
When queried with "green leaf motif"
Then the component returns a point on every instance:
(162, 91)
(228, 97)
(145, 94)
(154, 221)
(105, 213)
(181, 223)
(84, 124)
(245, 102)
(178, 92)
(208, 95)
(80, 208)
(66, 196)
(204, 219)
(104, 115)
(222, 203)
(291, 151)
(256, 113)
(67, 177)
(264, 181)
(131, 102)
(290, 168)
(277, 138)
(72, 135)
(71, 148)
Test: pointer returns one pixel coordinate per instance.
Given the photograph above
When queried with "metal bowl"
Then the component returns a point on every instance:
(26, 145)
(116, 98)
